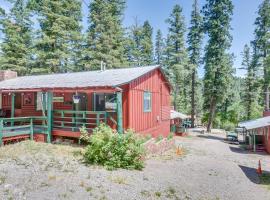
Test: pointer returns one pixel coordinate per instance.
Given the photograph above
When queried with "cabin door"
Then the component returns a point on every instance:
(81, 106)
(18, 104)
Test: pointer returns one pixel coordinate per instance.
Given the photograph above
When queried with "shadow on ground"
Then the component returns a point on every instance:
(243, 151)
(250, 173)
(210, 137)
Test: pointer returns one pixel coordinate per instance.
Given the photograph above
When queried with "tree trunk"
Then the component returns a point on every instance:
(212, 110)
(193, 99)
(175, 98)
(266, 90)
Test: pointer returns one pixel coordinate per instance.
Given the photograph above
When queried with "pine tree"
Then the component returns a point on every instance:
(195, 42)
(140, 44)
(177, 59)
(147, 43)
(134, 44)
(159, 48)
(105, 35)
(16, 45)
(262, 42)
(60, 32)
(218, 63)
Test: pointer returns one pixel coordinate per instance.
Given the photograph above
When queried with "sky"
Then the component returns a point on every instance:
(157, 11)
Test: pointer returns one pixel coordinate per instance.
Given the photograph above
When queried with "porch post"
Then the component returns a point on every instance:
(119, 112)
(254, 141)
(1, 131)
(49, 115)
(12, 114)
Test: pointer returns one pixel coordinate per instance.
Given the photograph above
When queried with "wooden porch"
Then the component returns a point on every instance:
(52, 123)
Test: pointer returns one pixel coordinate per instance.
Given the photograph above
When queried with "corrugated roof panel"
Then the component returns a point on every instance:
(110, 77)
(256, 123)
(176, 115)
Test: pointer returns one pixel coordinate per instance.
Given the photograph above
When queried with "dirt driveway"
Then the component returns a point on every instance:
(211, 169)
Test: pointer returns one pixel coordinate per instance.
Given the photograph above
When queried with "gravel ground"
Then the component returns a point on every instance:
(209, 169)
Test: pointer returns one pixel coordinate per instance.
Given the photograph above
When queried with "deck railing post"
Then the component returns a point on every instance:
(12, 114)
(97, 119)
(31, 129)
(1, 131)
(119, 112)
(105, 117)
(62, 115)
(84, 119)
(49, 115)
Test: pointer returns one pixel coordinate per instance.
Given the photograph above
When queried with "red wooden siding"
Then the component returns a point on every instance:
(157, 121)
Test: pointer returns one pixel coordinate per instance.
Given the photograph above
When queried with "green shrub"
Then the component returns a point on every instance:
(159, 138)
(170, 136)
(112, 150)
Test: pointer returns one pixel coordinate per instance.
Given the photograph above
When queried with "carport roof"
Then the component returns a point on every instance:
(256, 123)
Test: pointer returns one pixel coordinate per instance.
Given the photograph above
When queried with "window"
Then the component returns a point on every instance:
(39, 99)
(147, 97)
(105, 102)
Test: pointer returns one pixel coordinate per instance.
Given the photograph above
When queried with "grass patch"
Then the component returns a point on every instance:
(145, 193)
(2, 179)
(158, 194)
(119, 180)
(265, 180)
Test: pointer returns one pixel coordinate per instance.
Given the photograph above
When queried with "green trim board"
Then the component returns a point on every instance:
(49, 115)
(119, 112)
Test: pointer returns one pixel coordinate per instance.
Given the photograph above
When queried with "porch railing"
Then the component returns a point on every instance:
(17, 126)
(73, 120)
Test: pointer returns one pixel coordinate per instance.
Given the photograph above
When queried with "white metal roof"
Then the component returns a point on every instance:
(178, 115)
(109, 77)
(256, 123)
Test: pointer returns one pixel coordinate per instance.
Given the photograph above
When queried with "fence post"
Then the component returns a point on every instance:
(49, 114)
(31, 129)
(119, 112)
(1, 131)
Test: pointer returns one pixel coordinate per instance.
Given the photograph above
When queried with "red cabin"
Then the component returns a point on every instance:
(59, 104)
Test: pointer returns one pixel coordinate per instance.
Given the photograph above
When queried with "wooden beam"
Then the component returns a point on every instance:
(119, 112)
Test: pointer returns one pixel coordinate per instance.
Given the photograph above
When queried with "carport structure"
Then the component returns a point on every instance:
(257, 131)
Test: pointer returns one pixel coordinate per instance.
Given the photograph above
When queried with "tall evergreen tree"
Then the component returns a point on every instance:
(105, 35)
(159, 48)
(59, 34)
(218, 63)
(195, 41)
(252, 82)
(262, 42)
(16, 45)
(147, 43)
(177, 59)
(140, 44)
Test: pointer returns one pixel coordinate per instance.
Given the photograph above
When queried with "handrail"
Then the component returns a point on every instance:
(9, 126)
(72, 119)
(79, 112)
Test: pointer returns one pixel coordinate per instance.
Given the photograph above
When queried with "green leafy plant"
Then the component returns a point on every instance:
(108, 148)
(159, 138)
(170, 136)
